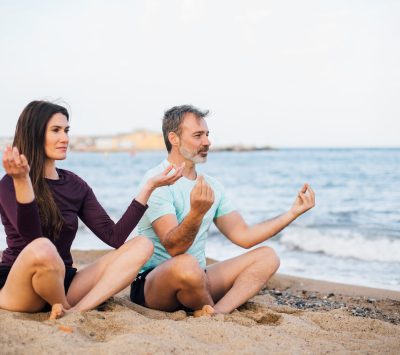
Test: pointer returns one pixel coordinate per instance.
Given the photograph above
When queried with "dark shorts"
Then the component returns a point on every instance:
(69, 276)
(137, 291)
(137, 288)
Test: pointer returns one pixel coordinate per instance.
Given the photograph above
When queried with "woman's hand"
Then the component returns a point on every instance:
(164, 179)
(15, 164)
(159, 180)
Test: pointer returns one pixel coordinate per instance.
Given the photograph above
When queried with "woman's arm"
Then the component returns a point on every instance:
(20, 206)
(115, 234)
(159, 180)
(16, 165)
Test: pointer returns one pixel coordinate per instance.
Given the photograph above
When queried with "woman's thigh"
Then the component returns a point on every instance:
(127, 258)
(18, 293)
(87, 277)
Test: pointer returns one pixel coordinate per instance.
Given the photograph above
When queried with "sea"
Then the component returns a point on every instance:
(351, 236)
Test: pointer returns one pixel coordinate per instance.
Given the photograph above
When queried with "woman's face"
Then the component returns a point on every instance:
(56, 138)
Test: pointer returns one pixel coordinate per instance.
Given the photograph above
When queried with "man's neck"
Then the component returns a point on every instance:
(190, 167)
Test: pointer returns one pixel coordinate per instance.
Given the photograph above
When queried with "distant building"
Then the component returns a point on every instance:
(126, 142)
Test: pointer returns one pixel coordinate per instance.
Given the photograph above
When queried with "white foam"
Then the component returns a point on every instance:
(343, 244)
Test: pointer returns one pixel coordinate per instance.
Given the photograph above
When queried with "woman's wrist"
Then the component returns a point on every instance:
(144, 194)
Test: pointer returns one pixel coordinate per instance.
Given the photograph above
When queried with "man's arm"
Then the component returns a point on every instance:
(177, 238)
(234, 227)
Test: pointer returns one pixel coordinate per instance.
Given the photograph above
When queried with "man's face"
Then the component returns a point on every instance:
(193, 140)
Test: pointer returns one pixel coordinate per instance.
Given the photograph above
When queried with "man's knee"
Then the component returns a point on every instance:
(44, 254)
(268, 257)
(187, 270)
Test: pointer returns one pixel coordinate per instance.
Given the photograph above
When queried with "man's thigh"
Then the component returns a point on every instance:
(222, 275)
(162, 285)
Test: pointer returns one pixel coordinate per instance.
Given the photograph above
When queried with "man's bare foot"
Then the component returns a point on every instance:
(57, 311)
(207, 310)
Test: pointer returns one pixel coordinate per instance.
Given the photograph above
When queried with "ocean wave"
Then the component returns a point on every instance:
(341, 243)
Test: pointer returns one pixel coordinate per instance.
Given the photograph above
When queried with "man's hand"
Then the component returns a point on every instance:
(201, 197)
(177, 238)
(305, 200)
(15, 164)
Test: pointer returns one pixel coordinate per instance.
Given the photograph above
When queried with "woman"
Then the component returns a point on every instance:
(40, 205)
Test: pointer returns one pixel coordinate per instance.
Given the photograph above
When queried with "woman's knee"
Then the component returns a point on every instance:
(140, 246)
(43, 253)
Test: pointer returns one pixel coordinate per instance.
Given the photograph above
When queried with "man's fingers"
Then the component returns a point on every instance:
(303, 188)
(201, 184)
(312, 193)
(302, 197)
(310, 196)
(206, 189)
(212, 194)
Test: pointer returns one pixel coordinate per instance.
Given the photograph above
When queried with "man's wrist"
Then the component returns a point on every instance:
(195, 215)
(292, 214)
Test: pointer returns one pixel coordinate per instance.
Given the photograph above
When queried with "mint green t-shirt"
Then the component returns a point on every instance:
(175, 199)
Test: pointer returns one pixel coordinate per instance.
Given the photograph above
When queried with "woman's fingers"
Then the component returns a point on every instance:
(168, 178)
(9, 154)
(16, 156)
(24, 161)
(15, 164)
(167, 170)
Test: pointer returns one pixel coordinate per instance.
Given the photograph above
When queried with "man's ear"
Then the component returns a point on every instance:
(173, 139)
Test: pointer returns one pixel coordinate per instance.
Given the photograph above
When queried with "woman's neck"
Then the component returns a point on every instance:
(50, 171)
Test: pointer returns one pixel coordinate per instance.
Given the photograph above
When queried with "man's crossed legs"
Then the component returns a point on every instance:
(221, 289)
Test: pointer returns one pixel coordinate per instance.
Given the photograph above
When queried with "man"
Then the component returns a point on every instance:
(178, 219)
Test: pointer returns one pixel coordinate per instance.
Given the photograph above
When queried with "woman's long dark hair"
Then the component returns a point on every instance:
(29, 138)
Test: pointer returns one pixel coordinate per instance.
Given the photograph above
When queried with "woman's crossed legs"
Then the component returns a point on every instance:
(37, 277)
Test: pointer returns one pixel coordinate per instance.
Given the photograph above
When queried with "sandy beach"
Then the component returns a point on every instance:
(291, 315)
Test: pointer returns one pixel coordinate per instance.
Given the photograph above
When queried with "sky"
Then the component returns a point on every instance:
(281, 73)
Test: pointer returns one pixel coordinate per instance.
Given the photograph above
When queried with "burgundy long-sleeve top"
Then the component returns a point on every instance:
(74, 198)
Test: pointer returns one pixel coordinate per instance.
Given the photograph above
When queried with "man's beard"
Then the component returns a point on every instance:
(193, 156)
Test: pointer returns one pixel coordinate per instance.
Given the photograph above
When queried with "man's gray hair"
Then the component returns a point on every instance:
(173, 118)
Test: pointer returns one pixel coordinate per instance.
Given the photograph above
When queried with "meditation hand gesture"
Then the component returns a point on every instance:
(15, 164)
(164, 179)
(305, 200)
(201, 197)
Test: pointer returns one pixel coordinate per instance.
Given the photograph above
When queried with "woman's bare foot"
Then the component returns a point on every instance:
(57, 311)
(207, 310)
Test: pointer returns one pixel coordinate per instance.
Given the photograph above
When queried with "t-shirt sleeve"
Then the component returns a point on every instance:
(161, 203)
(225, 205)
